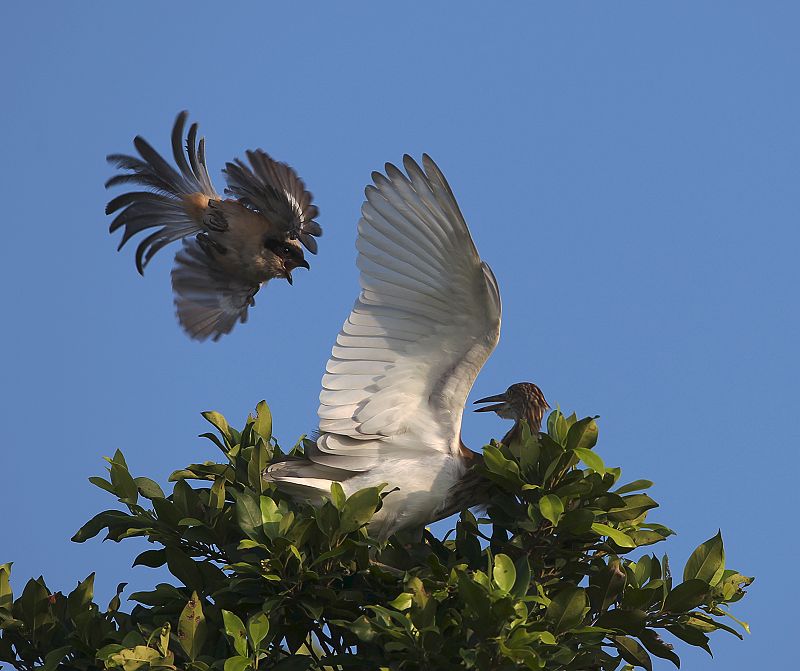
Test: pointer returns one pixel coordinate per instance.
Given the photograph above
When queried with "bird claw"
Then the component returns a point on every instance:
(215, 219)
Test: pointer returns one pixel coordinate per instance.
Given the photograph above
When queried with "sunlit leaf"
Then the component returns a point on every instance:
(707, 562)
(504, 572)
(192, 627)
(551, 508)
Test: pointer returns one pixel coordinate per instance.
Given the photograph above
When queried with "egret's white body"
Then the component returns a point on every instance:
(426, 320)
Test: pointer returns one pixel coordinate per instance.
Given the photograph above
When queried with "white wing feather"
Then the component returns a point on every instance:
(427, 319)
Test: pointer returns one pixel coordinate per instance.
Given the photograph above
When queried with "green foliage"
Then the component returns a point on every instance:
(544, 581)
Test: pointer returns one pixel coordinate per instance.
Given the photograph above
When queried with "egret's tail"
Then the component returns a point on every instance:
(305, 479)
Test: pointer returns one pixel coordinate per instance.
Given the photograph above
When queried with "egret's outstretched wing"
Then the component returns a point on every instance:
(426, 320)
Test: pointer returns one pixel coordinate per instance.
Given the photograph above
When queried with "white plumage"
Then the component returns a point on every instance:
(426, 320)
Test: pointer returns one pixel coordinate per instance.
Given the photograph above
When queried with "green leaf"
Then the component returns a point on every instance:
(134, 658)
(32, 607)
(504, 572)
(116, 602)
(707, 562)
(102, 483)
(476, 598)
(337, 496)
(359, 508)
(551, 508)
(234, 627)
(582, 434)
(606, 586)
(690, 635)
(632, 652)
(258, 628)
(620, 538)
(216, 495)
(296, 663)
(628, 621)
(577, 521)
(591, 459)
(634, 486)
(731, 587)
(497, 463)
(567, 609)
(54, 658)
(686, 596)
(263, 424)
(403, 601)
(633, 506)
(641, 570)
(149, 489)
(557, 426)
(248, 514)
(270, 517)
(192, 627)
(529, 451)
(658, 647)
(124, 484)
(221, 424)
(151, 558)
(80, 598)
(6, 594)
(183, 567)
(257, 462)
(238, 663)
(522, 568)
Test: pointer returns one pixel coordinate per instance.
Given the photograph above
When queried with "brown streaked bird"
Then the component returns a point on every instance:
(231, 246)
(522, 402)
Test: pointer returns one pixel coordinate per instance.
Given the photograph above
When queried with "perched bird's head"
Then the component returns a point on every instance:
(523, 400)
(283, 256)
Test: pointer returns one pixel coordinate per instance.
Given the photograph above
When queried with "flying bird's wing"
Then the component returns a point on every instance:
(426, 320)
(208, 301)
(162, 205)
(274, 189)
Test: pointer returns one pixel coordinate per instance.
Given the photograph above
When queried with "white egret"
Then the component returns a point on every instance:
(426, 320)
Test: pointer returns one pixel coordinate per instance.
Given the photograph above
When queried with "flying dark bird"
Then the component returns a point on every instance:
(231, 246)
(426, 320)
(522, 402)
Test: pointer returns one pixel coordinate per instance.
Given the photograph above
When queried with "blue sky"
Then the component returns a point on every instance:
(629, 170)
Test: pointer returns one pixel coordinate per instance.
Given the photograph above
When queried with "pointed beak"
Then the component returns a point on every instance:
(290, 266)
(499, 401)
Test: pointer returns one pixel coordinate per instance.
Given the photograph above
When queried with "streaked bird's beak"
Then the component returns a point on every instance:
(303, 264)
(499, 401)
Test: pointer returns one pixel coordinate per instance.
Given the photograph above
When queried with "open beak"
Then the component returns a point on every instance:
(288, 268)
(499, 402)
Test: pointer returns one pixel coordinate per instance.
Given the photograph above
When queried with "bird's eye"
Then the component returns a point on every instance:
(286, 250)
